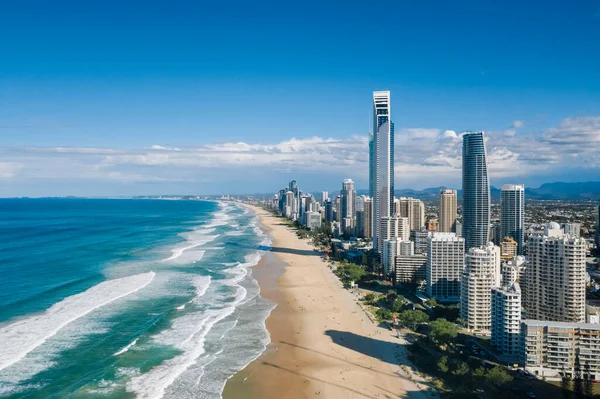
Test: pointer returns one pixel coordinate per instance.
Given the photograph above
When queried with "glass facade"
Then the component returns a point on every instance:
(476, 191)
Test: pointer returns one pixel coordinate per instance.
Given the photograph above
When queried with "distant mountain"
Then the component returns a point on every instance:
(565, 191)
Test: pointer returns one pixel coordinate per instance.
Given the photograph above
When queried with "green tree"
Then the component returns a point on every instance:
(461, 369)
(588, 387)
(442, 331)
(350, 272)
(498, 377)
(479, 373)
(577, 380)
(391, 296)
(443, 364)
(383, 314)
(397, 304)
(431, 302)
(413, 317)
(370, 298)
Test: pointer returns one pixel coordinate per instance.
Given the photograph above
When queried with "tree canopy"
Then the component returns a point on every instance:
(442, 331)
(413, 317)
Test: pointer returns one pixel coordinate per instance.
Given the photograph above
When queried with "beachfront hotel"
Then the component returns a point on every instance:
(348, 207)
(555, 276)
(549, 348)
(476, 191)
(481, 274)
(444, 267)
(381, 165)
(506, 319)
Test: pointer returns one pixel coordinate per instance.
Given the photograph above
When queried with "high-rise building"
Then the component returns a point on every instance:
(411, 268)
(495, 232)
(420, 238)
(403, 229)
(549, 348)
(312, 220)
(348, 205)
(448, 206)
(506, 319)
(295, 203)
(414, 210)
(324, 196)
(445, 263)
(513, 271)
(555, 276)
(381, 145)
(512, 213)
(475, 191)
(329, 213)
(338, 209)
(360, 203)
(365, 230)
(509, 248)
(289, 204)
(391, 248)
(481, 273)
(282, 198)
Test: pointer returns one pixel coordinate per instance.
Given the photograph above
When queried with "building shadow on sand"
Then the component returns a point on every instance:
(302, 252)
(366, 345)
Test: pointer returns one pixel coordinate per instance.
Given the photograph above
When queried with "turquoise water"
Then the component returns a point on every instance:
(127, 298)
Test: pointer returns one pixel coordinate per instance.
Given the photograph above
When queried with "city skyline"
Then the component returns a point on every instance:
(136, 108)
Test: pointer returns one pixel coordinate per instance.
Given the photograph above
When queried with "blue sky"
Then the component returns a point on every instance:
(107, 98)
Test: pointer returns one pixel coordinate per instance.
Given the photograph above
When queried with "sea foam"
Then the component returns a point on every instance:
(23, 336)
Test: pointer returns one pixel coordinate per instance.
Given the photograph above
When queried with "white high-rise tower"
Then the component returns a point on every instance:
(381, 164)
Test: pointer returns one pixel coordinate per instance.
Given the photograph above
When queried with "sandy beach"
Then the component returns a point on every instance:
(322, 342)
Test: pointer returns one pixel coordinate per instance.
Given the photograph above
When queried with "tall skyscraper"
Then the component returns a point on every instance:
(381, 145)
(348, 204)
(476, 191)
(482, 272)
(555, 276)
(447, 219)
(512, 213)
(329, 211)
(445, 264)
(324, 196)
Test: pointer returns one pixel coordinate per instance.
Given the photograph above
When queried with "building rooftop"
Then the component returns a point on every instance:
(542, 323)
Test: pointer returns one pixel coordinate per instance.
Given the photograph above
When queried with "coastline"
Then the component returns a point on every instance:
(322, 342)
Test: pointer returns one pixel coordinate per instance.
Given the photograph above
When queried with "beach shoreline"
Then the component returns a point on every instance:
(322, 342)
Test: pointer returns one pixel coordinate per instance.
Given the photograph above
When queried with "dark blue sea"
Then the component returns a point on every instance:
(127, 298)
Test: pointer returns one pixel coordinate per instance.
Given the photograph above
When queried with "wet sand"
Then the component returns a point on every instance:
(322, 342)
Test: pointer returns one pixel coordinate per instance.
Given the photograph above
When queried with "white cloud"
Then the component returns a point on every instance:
(517, 124)
(160, 147)
(422, 154)
(575, 131)
(8, 169)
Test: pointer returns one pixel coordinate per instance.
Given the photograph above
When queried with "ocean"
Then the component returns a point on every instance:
(130, 298)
